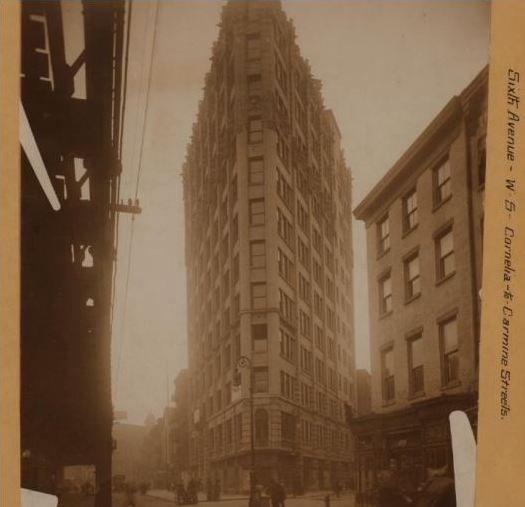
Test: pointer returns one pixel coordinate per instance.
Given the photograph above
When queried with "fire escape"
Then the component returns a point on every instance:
(68, 253)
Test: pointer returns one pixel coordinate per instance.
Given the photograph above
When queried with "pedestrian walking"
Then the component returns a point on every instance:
(192, 492)
(277, 494)
(389, 492)
(181, 493)
(217, 489)
(337, 487)
(129, 492)
(209, 490)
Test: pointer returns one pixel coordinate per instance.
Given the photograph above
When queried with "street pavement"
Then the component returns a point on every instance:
(166, 499)
(161, 499)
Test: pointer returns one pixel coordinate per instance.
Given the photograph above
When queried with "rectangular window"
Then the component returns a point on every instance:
(303, 253)
(306, 360)
(383, 235)
(319, 337)
(288, 428)
(259, 337)
(286, 267)
(416, 363)
(412, 277)
(318, 305)
(255, 129)
(302, 217)
(257, 215)
(304, 289)
(305, 324)
(236, 307)
(285, 228)
(410, 216)
(385, 295)
(445, 254)
(318, 273)
(257, 254)
(284, 190)
(258, 296)
(288, 385)
(282, 149)
(316, 240)
(254, 83)
(442, 183)
(286, 306)
(253, 43)
(235, 230)
(288, 345)
(256, 170)
(387, 368)
(260, 380)
(448, 332)
(235, 269)
(482, 161)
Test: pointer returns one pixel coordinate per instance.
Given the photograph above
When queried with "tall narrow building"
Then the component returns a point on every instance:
(269, 263)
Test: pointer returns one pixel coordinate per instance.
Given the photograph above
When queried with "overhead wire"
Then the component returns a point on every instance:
(120, 141)
(137, 185)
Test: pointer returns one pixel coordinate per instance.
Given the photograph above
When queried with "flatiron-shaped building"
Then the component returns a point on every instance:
(269, 265)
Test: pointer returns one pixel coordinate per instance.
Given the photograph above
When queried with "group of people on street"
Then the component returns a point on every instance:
(187, 495)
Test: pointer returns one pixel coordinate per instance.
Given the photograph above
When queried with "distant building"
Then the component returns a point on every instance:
(128, 456)
(269, 262)
(363, 392)
(424, 223)
(180, 428)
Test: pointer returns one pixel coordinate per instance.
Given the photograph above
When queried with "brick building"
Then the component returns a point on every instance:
(269, 263)
(424, 222)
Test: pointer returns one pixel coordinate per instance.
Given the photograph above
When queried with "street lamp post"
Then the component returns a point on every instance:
(245, 362)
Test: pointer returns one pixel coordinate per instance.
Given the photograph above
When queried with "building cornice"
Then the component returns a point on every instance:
(408, 163)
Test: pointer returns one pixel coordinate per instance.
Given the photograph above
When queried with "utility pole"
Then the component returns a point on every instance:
(245, 362)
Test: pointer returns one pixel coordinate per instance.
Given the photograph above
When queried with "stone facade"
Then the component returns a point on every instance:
(269, 261)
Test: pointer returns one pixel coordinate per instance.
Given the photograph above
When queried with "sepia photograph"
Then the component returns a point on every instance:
(251, 249)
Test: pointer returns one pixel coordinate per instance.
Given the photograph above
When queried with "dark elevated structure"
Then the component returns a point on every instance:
(68, 254)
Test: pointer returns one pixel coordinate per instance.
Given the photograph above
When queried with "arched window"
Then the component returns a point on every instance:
(261, 427)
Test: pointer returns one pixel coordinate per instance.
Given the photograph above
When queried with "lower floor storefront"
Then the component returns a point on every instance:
(413, 442)
(296, 472)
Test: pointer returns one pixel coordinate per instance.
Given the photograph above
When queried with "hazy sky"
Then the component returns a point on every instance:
(387, 68)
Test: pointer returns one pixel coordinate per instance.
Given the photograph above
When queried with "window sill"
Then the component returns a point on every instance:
(412, 298)
(445, 278)
(389, 403)
(382, 254)
(406, 232)
(287, 359)
(451, 385)
(438, 205)
(385, 315)
(417, 396)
